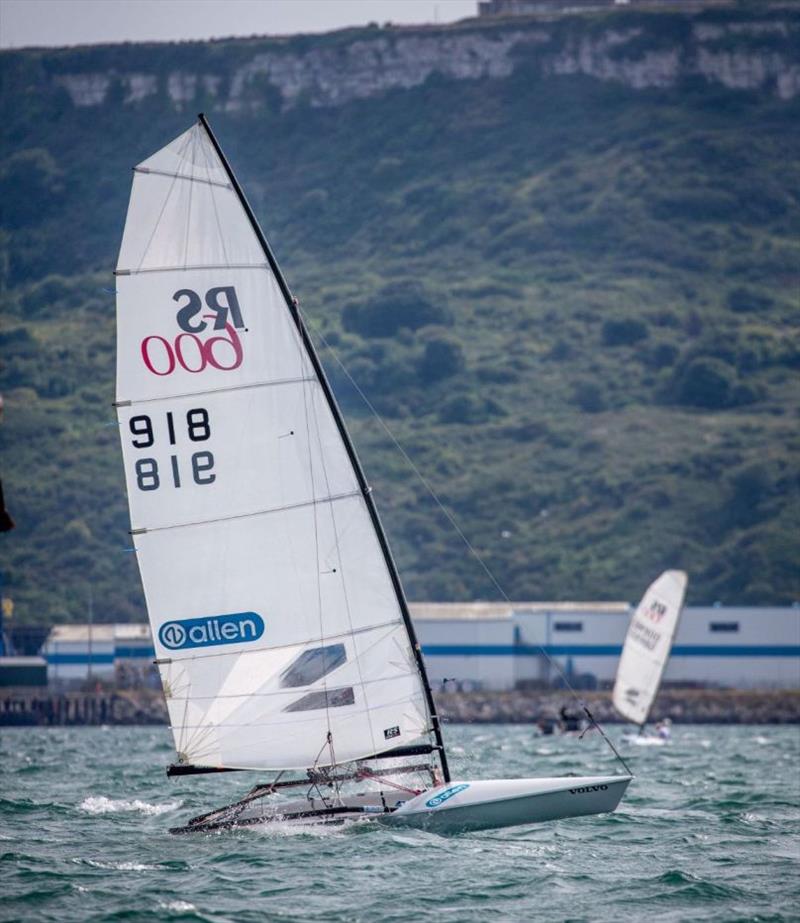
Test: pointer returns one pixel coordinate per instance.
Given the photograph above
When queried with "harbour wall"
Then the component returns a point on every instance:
(24, 707)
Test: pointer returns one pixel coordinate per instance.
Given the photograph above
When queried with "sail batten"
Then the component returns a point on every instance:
(193, 179)
(281, 632)
(277, 509)
(136, 272)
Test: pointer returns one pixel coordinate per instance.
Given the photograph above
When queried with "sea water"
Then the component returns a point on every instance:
(709, 830)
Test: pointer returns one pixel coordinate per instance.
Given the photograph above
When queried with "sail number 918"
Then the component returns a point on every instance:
(198, 429)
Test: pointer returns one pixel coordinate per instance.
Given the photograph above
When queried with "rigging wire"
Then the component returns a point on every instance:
(451, 519)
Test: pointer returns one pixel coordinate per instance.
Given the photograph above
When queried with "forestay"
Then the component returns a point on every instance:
(647, 646)
(278, 624)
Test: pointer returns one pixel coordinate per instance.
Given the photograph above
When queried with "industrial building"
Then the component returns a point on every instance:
(76, 653)
(509, 645)
(22, 672)
(503, 646)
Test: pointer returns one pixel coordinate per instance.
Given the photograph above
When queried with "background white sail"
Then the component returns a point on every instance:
(273, 611)
(648, 645)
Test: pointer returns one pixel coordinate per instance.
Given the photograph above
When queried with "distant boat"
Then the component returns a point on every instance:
(281, 630)
(646, 651)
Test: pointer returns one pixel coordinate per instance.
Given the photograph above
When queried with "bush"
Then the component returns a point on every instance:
(624, 332)
(54, 294)
(707, 383)
(442, 358)
(588, 395)
(17, 341)
(395, 306)
(466, 408)
(30, 182)
(749, 488)
(664, 355)
(560, 351)
(743, 300)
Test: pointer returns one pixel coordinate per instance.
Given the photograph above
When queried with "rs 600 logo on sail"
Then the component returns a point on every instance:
(211, 630)
(188, 350)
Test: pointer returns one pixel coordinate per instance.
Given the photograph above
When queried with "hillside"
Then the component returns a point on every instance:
(562, 258)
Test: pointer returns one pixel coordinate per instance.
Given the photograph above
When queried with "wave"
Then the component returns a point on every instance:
(120, 866)
(699, 889)
(178, 906)
(99, 804)
(130, 866)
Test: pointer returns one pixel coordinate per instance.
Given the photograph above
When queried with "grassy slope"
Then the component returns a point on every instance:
(523, 215)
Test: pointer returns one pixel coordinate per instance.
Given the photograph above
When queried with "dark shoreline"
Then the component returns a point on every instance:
(683, 706)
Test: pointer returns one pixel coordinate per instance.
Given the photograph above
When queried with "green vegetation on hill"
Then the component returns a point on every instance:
(574, 303)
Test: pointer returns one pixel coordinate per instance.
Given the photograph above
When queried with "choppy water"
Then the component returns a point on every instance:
(710, 830)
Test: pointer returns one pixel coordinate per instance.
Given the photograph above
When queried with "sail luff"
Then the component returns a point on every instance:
(366, 492)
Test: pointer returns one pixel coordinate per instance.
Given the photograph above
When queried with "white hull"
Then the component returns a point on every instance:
(457, 807)
(462, 806)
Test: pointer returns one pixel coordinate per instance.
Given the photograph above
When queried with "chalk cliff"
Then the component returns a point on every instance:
(756, 53)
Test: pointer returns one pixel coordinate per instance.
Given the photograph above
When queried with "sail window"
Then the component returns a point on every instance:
(313, 664)
(568, 626)
(724, 626)
(325, 698)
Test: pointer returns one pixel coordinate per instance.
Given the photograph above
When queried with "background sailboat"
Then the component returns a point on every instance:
(647, 647)
(282, 633)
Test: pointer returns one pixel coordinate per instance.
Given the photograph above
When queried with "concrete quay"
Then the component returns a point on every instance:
(684, 706)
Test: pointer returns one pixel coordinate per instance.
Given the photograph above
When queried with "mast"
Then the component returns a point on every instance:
(366, 491)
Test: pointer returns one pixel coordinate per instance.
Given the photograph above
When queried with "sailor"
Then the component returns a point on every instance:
(663, 729)
(569, 721)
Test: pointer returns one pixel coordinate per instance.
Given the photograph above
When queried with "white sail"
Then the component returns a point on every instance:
(279, 632)
(647, 646)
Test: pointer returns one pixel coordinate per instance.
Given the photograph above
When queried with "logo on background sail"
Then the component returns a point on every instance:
(445, 795)
(211, 630)
(656, 611)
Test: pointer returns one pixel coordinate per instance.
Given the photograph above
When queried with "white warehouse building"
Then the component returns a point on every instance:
(500, 645)
(74, 652)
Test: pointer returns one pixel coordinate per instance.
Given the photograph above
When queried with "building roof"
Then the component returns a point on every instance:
(73, 633)
(19, 661)
(501, 611)
(131, 631)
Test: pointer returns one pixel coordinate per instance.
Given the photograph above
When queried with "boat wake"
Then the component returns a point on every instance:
(643, 741)
(99, 804)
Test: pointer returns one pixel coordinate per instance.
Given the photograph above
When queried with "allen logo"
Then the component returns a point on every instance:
(211, 630)
(445, 795)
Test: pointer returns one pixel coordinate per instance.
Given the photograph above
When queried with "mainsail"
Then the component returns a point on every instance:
(280, 628)
(647, 646)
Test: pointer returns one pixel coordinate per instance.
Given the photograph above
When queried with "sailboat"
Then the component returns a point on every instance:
(282, 634)
(646, 651)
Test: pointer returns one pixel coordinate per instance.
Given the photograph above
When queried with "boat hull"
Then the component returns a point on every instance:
(457, 807)
(463, 806)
